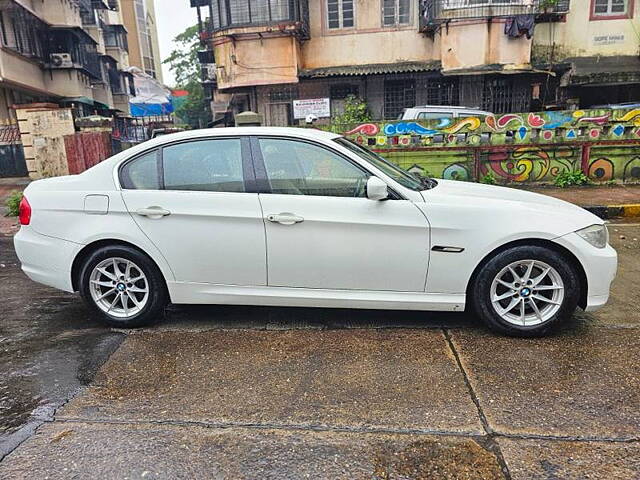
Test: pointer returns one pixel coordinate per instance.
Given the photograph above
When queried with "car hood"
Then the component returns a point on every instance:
(495, 200)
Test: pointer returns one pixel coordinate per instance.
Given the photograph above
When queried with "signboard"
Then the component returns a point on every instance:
(320, 107)
(610, 39)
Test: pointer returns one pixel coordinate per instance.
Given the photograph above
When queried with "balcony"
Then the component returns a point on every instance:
(73, 48)
(23, 32)
(227, 14)
(435, 12)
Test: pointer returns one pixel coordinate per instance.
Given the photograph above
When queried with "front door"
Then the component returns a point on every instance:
(190, 199)
(322, 231)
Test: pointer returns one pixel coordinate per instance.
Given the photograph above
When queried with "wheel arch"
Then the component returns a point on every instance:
(551, 245)
(83, 254)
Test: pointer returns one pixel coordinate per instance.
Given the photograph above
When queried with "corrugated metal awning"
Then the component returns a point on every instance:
(371, 69)
(594, 71)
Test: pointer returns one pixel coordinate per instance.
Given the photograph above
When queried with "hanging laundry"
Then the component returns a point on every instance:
(520, 25)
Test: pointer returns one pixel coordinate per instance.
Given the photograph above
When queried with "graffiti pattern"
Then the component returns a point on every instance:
(528, 147)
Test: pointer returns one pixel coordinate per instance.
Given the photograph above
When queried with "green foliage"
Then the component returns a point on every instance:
(571, 178)
(356, 110)
(544, 4)
(183, 62)
(13, 203)
(489, 179)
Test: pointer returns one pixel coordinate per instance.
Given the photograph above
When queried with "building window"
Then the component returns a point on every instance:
(610, 9)
(398, 95)
(442, 92)
(226, 13)
(504, 95)
(340, 13)
(396, 12)
(338, 94)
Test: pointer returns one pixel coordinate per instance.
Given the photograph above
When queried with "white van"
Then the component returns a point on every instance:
(431, 112)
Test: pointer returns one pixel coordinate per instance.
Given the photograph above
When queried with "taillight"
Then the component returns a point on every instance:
(24, 212)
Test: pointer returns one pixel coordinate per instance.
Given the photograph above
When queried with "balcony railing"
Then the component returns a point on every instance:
(79, 45)
(434, 12)
(115, 36)
(23, 32)
(224, 14)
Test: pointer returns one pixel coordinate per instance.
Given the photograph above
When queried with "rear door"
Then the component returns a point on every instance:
(322, 231)
(194, 201)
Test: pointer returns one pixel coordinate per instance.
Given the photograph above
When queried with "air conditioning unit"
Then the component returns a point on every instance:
(61, 60)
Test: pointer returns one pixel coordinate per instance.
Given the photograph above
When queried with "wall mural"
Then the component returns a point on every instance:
(514, 147)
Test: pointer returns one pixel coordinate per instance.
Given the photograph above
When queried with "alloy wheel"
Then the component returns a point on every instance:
(527, 292)
(119, 287)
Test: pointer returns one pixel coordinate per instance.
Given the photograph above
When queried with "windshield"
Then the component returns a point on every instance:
(402, 177)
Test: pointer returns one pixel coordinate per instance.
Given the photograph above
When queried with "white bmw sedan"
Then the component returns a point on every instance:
(299, 217)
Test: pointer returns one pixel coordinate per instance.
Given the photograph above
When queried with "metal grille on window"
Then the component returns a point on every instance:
(340, 13)
(506, 95)
(398, 95)
(610, 7)
(442, 92)
(338, 94)
(396, 12)
(224, 13)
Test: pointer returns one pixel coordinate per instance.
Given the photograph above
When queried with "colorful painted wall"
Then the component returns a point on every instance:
(528, 147)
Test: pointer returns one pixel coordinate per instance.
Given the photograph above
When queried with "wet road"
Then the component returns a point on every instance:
(238, 392)
(49, 348)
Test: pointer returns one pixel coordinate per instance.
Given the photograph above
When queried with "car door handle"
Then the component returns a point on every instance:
(285, 218)
(153, 212)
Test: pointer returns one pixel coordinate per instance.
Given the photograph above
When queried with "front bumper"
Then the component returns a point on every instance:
(45, 259)
(600, 266)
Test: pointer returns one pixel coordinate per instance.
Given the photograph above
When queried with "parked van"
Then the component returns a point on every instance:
(431, 112)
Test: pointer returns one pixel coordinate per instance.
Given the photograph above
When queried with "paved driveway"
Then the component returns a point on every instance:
(235, 392)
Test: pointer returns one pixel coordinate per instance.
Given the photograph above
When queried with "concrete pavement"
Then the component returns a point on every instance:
(238, 392)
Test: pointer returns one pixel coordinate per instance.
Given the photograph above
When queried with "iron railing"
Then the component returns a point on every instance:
(77, 43)
(434, 12)
(22, 31)
(224, 14)
(115, 36)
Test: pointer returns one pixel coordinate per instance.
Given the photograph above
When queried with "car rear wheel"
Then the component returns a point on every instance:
(526, 291)
(123, 287)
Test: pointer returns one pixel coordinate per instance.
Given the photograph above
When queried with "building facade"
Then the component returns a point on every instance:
(140, 22)
(73, 53)
(500, 56)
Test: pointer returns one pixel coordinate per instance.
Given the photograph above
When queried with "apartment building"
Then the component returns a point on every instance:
(498, 55)
(71, 52)
(142, 34)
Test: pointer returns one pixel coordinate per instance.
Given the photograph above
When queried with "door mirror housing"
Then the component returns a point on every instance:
(377, 189)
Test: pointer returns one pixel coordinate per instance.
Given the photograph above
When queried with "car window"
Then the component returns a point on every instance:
(141, 173)
(402, 177)
(300, 168)
(204, 165)
(433, 115)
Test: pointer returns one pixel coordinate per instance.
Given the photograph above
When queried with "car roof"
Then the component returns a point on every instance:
(447, 107)
(309, 133)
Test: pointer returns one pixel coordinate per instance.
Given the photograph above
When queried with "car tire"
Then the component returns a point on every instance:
(511, 295)
(123, 287)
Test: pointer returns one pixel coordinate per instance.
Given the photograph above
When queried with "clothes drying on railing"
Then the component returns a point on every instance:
(519, 25)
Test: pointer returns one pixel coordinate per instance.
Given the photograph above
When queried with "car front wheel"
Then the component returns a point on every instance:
(526, 291)
(123, 287)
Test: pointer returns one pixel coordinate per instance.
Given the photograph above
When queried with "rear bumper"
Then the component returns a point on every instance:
(600, 266)
(45, 259)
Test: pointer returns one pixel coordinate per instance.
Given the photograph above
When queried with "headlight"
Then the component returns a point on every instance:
(596, 235)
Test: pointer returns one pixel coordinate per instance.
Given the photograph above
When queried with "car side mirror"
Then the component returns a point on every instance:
(377, 189)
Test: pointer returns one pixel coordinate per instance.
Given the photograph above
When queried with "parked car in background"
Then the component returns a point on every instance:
(616, 106)
(433, 112)
(300, 217)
